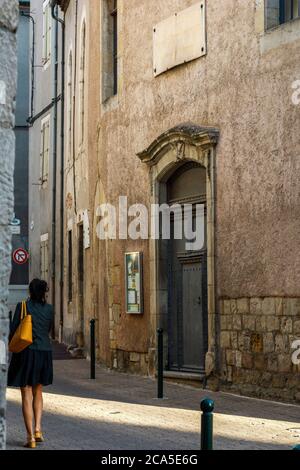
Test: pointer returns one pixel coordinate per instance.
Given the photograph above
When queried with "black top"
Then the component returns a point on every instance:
(42, 320)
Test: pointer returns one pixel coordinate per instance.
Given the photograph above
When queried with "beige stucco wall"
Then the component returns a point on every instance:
(243, 87)
(247, 95)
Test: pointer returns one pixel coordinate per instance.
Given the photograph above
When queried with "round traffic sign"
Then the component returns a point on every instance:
(20, 256)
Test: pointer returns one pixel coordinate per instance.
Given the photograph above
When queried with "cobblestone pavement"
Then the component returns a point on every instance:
(120, 412)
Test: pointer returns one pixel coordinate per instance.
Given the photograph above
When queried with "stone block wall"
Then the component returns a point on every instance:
(256, 337)
(130, 362)
(8, 72)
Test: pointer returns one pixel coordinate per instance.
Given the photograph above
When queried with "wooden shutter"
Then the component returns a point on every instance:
(45, 257)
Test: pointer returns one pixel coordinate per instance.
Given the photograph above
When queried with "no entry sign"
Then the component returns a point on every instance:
(20, 256)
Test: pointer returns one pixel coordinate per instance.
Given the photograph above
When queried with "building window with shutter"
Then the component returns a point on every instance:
(281, 11)
(70, 266)
(45, 257)
(70, 104)
(45, 151)
(47, 21)
(82, 82)
(109, 49)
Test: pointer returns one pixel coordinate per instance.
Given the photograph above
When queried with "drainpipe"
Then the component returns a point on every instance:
(54, 187)
(62, 143)
(216, 299)
(30, 17)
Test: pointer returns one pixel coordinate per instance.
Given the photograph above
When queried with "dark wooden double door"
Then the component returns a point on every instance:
(187, 281)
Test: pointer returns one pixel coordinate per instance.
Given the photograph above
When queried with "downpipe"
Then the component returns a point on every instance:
(62, 23)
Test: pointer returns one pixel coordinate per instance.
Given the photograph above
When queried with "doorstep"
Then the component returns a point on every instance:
(188, 378)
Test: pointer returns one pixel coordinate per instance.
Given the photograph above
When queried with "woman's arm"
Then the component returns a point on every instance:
(16, 321)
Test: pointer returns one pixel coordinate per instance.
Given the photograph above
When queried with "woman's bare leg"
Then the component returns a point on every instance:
(27, 409)
(38, 406)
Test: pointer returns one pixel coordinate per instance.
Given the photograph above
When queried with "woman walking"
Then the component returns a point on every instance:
(32, 368)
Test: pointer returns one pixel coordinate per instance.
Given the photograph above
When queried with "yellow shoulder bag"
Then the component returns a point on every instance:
(23, 335)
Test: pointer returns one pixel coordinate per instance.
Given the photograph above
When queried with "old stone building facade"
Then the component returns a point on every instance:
(162, 118)
(9, 16)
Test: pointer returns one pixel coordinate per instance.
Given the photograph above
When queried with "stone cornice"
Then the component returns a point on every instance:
(186, 133)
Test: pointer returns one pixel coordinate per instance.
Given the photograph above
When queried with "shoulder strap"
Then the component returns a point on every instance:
(24, 310)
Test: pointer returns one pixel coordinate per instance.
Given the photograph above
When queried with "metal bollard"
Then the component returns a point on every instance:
(93, 346)
(160, 363)
(10, 318)
(207, 407)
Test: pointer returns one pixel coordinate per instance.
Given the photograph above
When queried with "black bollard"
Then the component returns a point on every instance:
(10, 318)
(160, 363)
(93, 346)
(207, 407)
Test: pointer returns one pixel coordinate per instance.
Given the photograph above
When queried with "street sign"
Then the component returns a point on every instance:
(15, 229)
(15, 226)
(20, 256)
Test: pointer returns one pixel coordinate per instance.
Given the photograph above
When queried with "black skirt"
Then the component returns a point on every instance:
(30, 368)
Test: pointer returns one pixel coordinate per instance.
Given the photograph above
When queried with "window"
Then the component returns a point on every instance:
(80, 265)
(70, 266)
(82, 82)
(47, 20)
(114, 15)
(45, 257)
(45, 151)
(281, 11)
(110, 49)
(70, 104)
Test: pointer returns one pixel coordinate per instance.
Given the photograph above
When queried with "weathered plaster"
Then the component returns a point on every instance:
(8, 74)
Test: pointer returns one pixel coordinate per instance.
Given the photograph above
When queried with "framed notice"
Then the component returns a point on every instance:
(134, 282)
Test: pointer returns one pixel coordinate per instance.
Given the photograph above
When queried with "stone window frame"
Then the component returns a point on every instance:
(70, 103)
(109, 89)
(276, 37)
(182, 144)
(82, 82)
(288, 10)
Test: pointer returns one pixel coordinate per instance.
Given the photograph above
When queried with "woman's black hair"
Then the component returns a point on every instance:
(38, 290)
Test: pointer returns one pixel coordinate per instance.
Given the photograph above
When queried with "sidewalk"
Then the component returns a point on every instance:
(119, 411)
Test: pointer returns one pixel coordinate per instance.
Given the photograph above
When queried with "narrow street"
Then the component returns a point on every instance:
(119, 411)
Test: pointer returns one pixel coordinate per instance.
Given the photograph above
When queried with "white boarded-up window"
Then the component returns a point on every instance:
(179, 38)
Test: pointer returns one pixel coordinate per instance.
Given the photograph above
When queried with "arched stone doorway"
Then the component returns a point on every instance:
(182, 167)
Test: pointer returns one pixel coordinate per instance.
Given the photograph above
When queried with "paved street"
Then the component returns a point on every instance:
(119, 411)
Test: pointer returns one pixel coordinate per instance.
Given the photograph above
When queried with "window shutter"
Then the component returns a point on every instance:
(44, 35)
(47, 150)
(46, 261)
(49, 33)
(42, 260)
(42, 155)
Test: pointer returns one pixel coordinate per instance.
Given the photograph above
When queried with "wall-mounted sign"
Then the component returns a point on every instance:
(20, 256)
(15, 229)
(134, 282)
(15, 226)
(2, 92)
